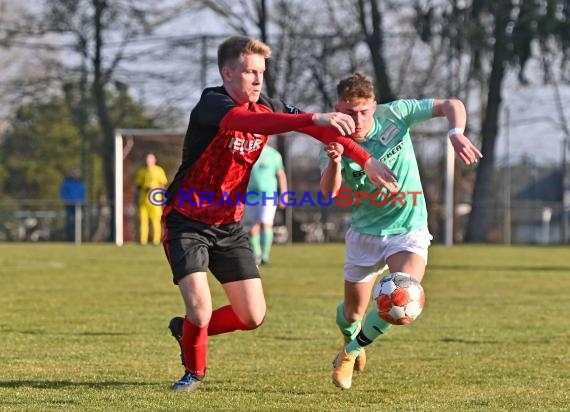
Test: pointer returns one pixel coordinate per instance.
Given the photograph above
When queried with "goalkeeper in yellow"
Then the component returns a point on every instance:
(148, 178)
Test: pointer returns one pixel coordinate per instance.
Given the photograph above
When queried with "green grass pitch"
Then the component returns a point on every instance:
(85, 328)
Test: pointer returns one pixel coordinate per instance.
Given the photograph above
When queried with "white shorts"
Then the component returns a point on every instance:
(264, 214)
(366, 254)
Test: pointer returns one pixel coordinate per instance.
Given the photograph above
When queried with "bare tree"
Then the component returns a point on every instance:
(98, 33)
(371, 24)
(482, 194)
(21, 81)
(490, 35)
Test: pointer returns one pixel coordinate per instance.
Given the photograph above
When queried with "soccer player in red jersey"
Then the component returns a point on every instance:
(202, 230)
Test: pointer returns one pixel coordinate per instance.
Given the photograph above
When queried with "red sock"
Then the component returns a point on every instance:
(195, 347)
(225, 320)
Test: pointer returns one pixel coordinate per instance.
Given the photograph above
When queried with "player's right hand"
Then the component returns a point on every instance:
(340, 121)
(381, 175)
(334, 151)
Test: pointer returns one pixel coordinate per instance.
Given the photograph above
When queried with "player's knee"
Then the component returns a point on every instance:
(353, 316)
(348, 313)
(356, 312)
(253, 321)
(198, 320)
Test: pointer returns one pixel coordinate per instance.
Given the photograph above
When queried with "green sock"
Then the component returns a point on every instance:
(255, 245)
(373, 327)
(347, 329)
(266, 242)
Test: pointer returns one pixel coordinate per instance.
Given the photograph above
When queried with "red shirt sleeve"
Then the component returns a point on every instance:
(264, 122)
(268, 123)
(329, 135)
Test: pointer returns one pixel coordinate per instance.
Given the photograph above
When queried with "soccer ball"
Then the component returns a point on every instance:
(399, 298)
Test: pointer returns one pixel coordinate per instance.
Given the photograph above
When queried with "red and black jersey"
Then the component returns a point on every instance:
(222, 143)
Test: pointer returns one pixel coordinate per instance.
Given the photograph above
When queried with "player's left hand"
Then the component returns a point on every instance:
(340, 121)
(465, 149)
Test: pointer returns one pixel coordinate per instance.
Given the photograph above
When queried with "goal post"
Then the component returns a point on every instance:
(131, 148)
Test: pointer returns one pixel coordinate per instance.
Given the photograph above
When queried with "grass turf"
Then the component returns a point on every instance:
(85, 328)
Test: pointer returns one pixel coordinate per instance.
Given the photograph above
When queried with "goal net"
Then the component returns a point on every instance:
(131, 148)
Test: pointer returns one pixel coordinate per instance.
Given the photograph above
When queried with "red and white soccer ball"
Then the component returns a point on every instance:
(399, 298)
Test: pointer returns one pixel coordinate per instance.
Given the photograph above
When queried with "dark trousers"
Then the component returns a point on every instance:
(70, 223)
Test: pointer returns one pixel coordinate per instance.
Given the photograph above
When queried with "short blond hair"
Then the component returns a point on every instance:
(357, 86)
(236, 46)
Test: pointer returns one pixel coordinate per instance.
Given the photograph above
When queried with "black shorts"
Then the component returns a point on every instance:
(193, 246)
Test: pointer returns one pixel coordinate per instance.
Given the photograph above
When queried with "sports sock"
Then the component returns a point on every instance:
(255, 243)
(195, 348)
(373, 327)
(347, 329)
(225, 320)
(266, 242)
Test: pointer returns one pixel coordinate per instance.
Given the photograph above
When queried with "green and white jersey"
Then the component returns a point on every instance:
(389, 141)
(264, 173)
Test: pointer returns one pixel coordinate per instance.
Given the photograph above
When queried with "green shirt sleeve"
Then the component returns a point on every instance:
(412, 111)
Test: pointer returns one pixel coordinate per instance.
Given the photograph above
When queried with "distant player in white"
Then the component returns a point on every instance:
(382, 232)
(267, 185)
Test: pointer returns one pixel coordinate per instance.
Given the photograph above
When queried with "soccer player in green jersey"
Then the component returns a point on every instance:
(394, 233)
(267, 185)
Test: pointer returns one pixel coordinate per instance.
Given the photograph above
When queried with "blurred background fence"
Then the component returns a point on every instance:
(44, 220)
(527, 206)
(526, 221)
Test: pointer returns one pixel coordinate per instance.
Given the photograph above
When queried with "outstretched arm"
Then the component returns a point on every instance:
(274, 123)
(264, 122)
(454, 111)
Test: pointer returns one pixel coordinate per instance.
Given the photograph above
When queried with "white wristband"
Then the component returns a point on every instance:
(454, 131)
